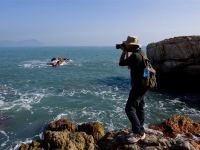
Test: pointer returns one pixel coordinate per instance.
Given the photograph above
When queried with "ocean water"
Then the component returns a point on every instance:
(91, 87)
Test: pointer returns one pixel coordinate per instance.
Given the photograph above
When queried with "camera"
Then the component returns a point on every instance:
(131, 48)
(119, 46)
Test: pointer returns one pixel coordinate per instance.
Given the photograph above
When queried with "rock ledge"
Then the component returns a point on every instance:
(177, 132)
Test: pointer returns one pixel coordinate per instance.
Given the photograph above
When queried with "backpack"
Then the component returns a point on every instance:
(149, 75)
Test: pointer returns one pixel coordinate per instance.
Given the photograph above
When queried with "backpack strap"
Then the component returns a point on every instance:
(144, 58)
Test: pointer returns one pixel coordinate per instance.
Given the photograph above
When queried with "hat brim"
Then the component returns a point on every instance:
(136, 44)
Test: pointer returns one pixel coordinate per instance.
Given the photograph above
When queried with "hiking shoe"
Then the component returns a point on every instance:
(143, 137)
(134, 138)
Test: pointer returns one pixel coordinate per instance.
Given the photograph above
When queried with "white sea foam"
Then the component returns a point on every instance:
(119, 109)
(110, 94)
(33, 64)
(110, 125)
(25, 101)
(21, 100)
(1, 102)
(114, 117)
(27, 141)
(6, 136)
(175, 101)
(19, 143)
(69, 61)
(60, 116)
(163, 106)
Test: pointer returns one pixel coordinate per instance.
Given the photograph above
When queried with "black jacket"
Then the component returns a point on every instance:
(136, 64)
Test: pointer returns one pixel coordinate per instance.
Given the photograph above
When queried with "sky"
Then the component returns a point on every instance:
(97, 22)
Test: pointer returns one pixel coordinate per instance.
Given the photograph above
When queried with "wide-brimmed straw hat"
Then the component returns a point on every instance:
(132, 40)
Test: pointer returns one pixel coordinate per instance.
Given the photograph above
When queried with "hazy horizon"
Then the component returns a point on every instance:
(97, 23)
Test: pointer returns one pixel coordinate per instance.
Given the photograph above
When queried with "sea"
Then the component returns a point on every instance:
(90, 87)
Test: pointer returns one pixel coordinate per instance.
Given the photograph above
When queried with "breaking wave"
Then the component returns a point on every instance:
(4, 138)
(11, 98)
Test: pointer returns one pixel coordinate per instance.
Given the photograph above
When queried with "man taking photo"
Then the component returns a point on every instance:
(132, 57)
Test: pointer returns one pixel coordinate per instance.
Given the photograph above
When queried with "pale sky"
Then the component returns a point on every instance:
(97, 22)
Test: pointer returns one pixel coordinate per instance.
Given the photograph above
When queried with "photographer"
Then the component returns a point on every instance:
(131, 57)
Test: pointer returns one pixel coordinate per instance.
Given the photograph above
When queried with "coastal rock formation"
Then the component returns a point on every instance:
(94, 128)
(116, 140)
(177, 132)
(68, 140)
(62, 124)
(176, 58)
(32, 146)
(178, 125)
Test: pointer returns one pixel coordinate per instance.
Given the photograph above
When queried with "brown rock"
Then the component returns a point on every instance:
(114, 139)
(95, 129)
(32, 146)
(178, 125)
(68, 140)
(56, 139)
(117, 140)
(61, 125)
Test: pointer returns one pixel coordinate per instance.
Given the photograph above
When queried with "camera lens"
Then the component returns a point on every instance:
(118, 46)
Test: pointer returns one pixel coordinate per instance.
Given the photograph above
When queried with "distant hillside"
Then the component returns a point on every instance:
(31, 42)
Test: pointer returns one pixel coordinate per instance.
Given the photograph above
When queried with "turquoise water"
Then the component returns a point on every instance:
(91, 87)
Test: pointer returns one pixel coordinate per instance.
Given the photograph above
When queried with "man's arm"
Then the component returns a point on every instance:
(124, 61)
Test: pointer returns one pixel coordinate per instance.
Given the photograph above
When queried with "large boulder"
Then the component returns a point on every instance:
(176, 59)
(68, 140)
(62, 124)
(95, 129)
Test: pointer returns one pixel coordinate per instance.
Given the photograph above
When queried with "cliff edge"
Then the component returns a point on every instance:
(177, 132)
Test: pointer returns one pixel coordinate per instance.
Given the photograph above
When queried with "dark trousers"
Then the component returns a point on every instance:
(135, 110)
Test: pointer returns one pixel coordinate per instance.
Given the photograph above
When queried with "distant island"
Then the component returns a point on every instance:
(29, 42)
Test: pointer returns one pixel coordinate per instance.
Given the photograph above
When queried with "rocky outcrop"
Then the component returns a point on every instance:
(177, 132)
(68, 140)
(94, 128)
(116, 140)
(178, 125)
(61, 125)
(176, 58)
(67, 135)
(32, 146)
